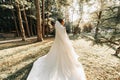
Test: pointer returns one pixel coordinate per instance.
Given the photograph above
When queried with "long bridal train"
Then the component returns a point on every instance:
(61, 61)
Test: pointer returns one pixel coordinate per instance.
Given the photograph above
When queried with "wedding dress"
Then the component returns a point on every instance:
(61, 61)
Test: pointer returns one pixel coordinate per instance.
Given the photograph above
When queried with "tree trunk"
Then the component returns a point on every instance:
(31, 27)
(98, 24)
(17, 31)
(38, 17)
(20, 22)
(34, 29)
(26, 22)
(30, 23)
(43, 19)
(14, 18)
(47, 30)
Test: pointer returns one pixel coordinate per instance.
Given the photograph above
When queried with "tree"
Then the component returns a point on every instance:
(14, 18)
(20, 21)
(26, 21)
(38, 17)
(108, 25)
(98, 25)
(43, 19)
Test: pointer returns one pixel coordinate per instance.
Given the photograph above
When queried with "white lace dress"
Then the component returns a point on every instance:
(61, 61)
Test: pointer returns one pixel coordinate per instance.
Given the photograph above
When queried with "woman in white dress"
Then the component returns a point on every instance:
(61, 62)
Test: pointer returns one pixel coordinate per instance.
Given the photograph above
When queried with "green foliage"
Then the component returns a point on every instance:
(64, 2)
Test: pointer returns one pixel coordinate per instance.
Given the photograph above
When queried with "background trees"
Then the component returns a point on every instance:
(103, 15)
(20, 17)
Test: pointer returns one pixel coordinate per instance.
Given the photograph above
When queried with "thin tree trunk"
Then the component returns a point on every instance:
(31, 26)
(38, 17)
(47, 26)
(43, 19)
(35, 29)
(47, 30)
(14, 18)
(99, 14)
(26, 22)
(16, 26)
(20, 22)
(98, 24)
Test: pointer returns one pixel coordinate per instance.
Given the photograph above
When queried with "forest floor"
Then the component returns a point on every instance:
(16, 58)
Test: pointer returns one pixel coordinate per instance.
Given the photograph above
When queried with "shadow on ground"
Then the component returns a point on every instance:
(20, 74)
(13, 44)
(17, 43)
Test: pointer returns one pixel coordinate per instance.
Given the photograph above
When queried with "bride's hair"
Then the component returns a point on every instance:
(60, 20)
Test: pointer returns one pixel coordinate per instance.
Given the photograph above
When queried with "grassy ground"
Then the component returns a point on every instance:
(98, 62)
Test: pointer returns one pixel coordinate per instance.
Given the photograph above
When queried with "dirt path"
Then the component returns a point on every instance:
(98, 62)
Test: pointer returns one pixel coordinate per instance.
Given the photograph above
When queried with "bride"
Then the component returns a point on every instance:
(61, 61)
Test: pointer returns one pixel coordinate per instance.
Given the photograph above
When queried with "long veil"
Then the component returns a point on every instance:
(61, 61)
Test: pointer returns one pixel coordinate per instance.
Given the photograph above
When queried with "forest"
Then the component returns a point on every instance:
(27, 31)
